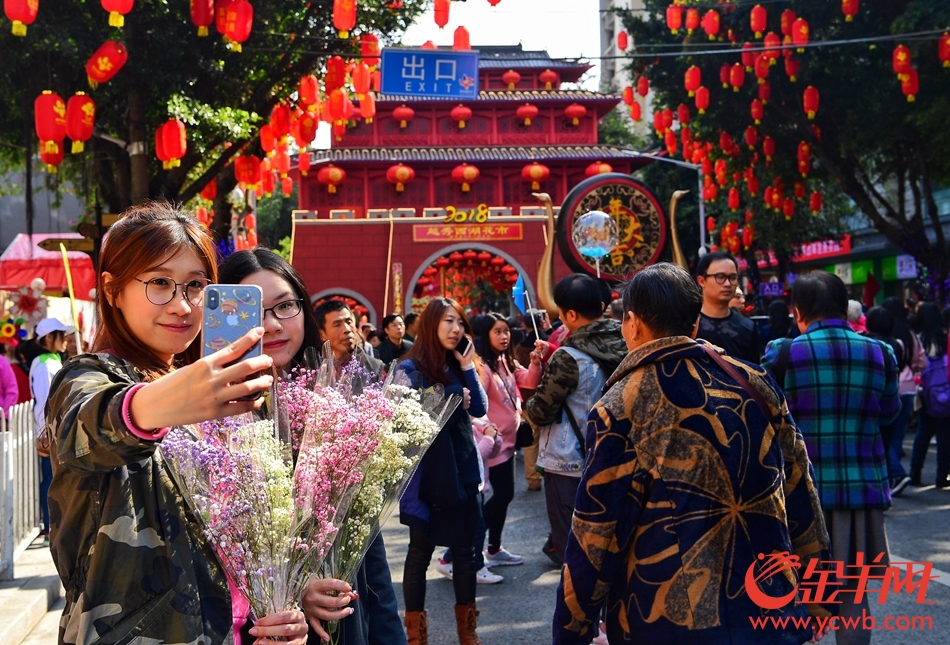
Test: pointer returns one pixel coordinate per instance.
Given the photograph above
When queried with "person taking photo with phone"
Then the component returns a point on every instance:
(131, 555)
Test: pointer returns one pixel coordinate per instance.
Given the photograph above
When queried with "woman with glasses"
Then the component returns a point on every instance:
(133, 559)
(290, 327)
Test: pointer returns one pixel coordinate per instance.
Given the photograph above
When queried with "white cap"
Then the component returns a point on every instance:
(48, 325)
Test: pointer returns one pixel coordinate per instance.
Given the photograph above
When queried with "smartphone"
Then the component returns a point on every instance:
(463, 345)
(230, 311)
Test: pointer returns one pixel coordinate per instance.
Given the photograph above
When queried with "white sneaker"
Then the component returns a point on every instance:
(502, 559)
(445, 568)
(486, 577)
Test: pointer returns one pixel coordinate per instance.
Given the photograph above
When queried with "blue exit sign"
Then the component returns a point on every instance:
(429, 73)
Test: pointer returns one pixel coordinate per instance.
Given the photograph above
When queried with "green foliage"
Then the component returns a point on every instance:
(872, 150)
(615, 130)
(284, 248)
(274, 218)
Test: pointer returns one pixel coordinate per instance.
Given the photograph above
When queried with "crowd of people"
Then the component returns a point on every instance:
(674, 440)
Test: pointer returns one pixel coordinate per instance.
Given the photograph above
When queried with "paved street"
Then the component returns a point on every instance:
(518, 611)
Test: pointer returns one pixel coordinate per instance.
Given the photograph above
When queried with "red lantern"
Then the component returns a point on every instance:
(751, 137)
(535, 173)
(758, 19)
(702, 99)
(692, 20)
(247, 170)
(765, 92)
(511, 78)
(791, 68)
(106, 62)
(201, 213)
(628, 95)
(757, 111)
(643, 86)
(710, 224)
(337, 105)
(307, 126)
(117, 10)
(850, 9)
(768, 147)
(461, 114)
(303, 163)
(497, 262)
(682, 113)
(788, 207)
(268, 140)
(49, 116)
(309, 91)
(461, 40)
(635, 112)
(210, 191)
(338, 130)
(800, 33)
(674, 18)
(466, 175)
(693, 79)
(799, 191)
(804, 158)
(238, 23)
(762, 68)
(748, 56)
(772, 44)
(910, 85)
(22, 13)
(943, 49)
(527, 112)
(687, 138)
(282, 163)
(268, 183)
(815, 202)
(667, 119)
(575, 112)
(287, 186)
(404, 115)
(734, 198)
(442, 262)
(484, 257)
(361, 79)
(810, 98)
(724, 71)
(442, 13)
(597, 168)
(901, 60)
(470, 256)
(202, 15)
(658, 123)
(80, 119)
(400, 175)
(549, 78)
(51, 153)
(331, 176)
(336, 74)
(748, 236)
(455, 257)
(344, 17)
(711, 23)
(737, 76)
(368, 107)
(221, 15)
(787, 20)
(752, 185)
(622, 41)
(175, 141)
(369, 49)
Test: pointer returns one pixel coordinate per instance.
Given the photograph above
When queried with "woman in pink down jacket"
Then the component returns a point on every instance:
(501, 376)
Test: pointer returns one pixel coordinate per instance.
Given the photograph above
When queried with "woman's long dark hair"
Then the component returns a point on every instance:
(932, 335)
(429, 355)
(901, 331)
(488, 354)
(237, 266)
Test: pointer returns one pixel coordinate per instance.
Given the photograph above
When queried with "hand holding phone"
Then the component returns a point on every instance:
(465, 352)
(230, 311)
(463, 345)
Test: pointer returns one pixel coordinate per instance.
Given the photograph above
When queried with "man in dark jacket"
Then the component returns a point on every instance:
(337, 326)
(570, 385)
(394, 346)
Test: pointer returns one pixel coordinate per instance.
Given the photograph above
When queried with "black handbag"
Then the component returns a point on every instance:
(525, 436)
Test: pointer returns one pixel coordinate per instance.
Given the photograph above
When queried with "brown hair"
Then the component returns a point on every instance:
(144, 237)
(427, 352)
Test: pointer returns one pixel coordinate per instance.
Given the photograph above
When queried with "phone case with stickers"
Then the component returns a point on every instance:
(230, 311)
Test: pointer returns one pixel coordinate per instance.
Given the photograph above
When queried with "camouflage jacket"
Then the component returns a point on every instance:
(601, 341)
(130, 554)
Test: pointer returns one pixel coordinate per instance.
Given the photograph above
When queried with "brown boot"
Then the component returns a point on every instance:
(465, 618)
(417, 628)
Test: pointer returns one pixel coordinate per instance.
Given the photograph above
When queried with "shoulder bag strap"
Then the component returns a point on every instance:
(740, 379)
(576, 428)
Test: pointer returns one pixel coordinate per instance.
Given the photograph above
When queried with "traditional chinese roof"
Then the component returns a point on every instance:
(514, 96)
(475, 154)
(514, 57)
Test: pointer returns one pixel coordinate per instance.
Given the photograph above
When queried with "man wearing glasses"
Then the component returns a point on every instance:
(718, 276)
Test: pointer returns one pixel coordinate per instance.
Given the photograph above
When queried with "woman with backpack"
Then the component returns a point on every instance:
(934, 396)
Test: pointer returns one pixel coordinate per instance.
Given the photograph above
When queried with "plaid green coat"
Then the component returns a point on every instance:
(131, 556)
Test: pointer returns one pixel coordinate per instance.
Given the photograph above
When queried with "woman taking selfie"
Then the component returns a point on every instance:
(441, 505)
(132, 558)
(370, 616)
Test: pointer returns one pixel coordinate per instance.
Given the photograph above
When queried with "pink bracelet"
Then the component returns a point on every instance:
(150, 435)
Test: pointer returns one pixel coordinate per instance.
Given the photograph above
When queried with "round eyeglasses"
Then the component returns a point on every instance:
(161, 291)
(284, 310)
